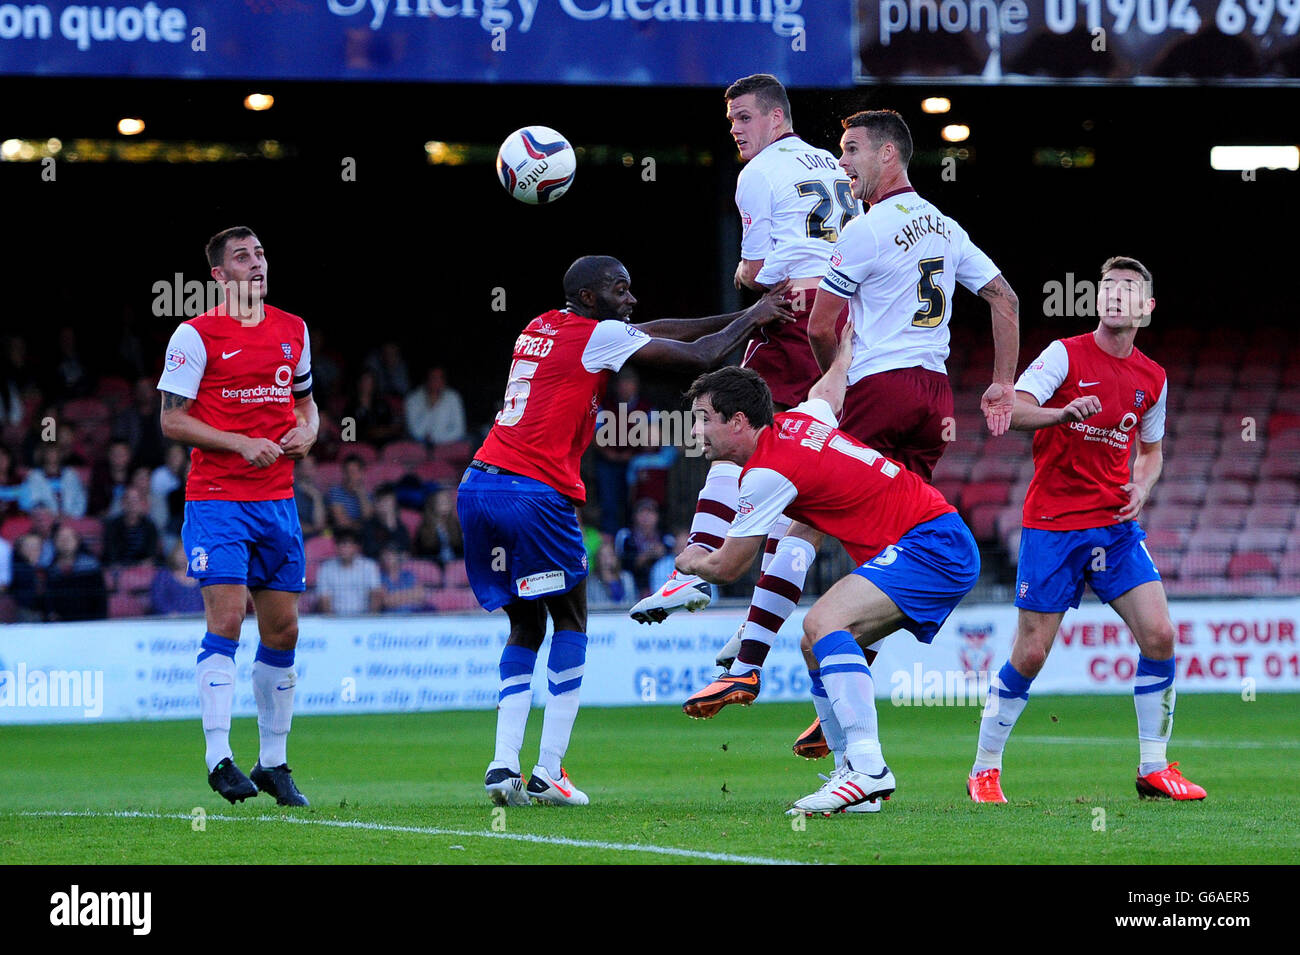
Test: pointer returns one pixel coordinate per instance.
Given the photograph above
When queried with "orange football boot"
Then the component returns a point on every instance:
(725, 689)
(811, 743)
(1168, 783)
(986, 786)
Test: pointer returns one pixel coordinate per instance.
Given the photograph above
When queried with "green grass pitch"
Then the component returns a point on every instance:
(408, 789)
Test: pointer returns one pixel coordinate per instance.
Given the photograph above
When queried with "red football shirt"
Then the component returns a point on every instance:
(1080, 467)
(561, 366)
(811, 471)
(243, 379)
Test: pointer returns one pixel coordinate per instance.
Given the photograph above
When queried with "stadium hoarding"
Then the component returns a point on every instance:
(144, 669)
(1138, 42)
(622, 42)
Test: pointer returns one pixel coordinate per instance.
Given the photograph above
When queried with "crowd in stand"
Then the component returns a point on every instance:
(92, 495)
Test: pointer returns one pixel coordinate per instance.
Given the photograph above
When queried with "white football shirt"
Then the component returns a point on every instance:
(898, 264)
(794, 200)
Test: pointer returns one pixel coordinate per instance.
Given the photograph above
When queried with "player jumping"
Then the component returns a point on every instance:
(523, 546)
(794, 201)
(237, 389)
(917, 558)
(1080, 523)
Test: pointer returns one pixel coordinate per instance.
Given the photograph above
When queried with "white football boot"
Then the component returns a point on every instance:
(505, 787)
(679, 592)
(844, 788)
(557, 792)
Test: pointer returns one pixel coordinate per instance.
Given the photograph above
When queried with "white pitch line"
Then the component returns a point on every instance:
(1174, 743)
(430, 831)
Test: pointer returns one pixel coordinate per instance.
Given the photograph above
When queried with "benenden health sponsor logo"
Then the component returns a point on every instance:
(57, 689)
(77, 908)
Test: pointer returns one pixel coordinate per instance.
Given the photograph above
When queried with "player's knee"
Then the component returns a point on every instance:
(1029, 658)
(1158, 640)
(226, 622)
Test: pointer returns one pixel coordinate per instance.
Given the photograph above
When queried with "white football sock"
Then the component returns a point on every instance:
(273, 689)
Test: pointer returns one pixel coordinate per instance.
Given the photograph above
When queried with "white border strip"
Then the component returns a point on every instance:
(429, 831)
(1174, 743)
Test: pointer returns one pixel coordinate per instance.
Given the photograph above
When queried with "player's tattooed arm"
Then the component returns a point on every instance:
(999, 401)
(179, 425)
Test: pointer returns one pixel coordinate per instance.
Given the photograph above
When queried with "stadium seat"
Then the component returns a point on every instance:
(385, 472)
(1185, 492)
(1251, 563)
(995, 469)
(439, 472)
(1230, 517)
(1211, 373)
(329, 474)
(1170, 516)
(1167, 539)
(1287, 586)
(86, 412)
(983, 521)
(366, 452)
(15, 527)
(1284, 441)
(1183, 466)
(1203, 401)
(91, 530)
(456, 600)
(319, 548)
(405, 452)
(122, 604)
(313, 566)
(1194, 444)
(1280, 465)
(1282, 421)
(1289, 565)
(1212, 539)
(426, 572)
(455, 453)
(1239, 466)
(135, 577)
(984, 492)
(1277, 492)
(454, 574)
(949, 488)
(1271, 539)
(1203, 563)
(114, 392)
(1267, 516)
(1229, 492)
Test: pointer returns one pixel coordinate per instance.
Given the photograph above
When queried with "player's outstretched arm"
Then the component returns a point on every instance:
(999, 400)
(821, 327)
(1148, 464)
(179, 425)
(724, 565)
(687, 329)
(831, 386)
(1029, 416)
(709, 351)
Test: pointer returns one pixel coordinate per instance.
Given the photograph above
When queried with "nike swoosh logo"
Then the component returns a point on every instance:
(566, 793)
(1000, 723)
(231, 354)
(289, 687)
(221, 684)
(1087, 384)
(669, 593)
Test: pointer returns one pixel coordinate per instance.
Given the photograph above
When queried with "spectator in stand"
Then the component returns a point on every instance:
(167, 478)
(348, 583)
(74, 582)
(384, 527)
(109, 478)
(44, 524)
(6, 564)
(612, 457)
(326, 373)
(28, 584)
(610, 585)
(371, 415)
(350, 502)
(52, 484)
(643, 543)
(10, 487)
(140, 425)
(435, 413)
(438, 537)
(401, 592)
(313, 516)
(173, 591)
(131, 537)
(389, 368)
(70, 378)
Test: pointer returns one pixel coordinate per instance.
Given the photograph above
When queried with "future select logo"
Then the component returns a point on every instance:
(75, 907)
(53, 689)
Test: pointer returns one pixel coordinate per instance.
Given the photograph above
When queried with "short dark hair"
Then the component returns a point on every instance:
(346, 534)
(733, 389)
(767, 89)
(348, 459)
(216, 249)
(591, 272)
(884, 126)
(1133, 265)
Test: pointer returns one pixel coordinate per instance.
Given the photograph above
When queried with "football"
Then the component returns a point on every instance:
(536, 164)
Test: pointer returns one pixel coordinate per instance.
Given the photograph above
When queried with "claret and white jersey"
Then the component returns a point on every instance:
(898, 264)
(794, 200)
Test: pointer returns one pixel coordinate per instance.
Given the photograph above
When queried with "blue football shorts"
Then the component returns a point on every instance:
(522, 539)
(927, 573)
(254, 543)
(1054, 565)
